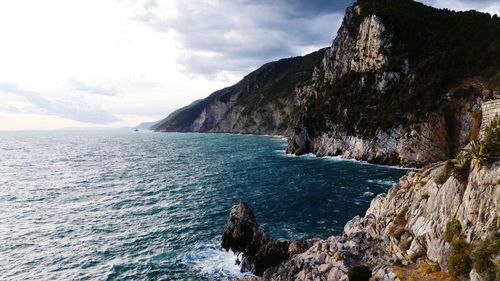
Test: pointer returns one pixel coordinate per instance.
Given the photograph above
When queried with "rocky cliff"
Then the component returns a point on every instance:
(401, 84)
(426, 227)
(387, 96)
(260, 103)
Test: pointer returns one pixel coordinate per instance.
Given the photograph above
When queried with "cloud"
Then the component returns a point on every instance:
(97, 90)
(218, 36)
(487, 6)
(72, 107)
(235, 36)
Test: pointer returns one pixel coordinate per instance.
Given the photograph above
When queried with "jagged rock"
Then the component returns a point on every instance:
(298, 143)
(242, 234)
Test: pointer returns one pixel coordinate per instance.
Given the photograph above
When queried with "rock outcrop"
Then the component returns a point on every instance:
(361, 50)
(404, 229)
(242, 234)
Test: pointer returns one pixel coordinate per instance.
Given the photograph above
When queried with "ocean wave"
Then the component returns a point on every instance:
(275, 137)
(362, 162)
(382, 182)
(342, 159)
(214, 262)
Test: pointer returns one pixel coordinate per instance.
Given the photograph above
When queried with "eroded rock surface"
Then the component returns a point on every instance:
(243, 235)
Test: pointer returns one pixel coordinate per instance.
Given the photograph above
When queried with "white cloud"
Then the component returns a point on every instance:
(487, 6)
(93, 89)
(219, 37)
(71, 107)
(91, 51)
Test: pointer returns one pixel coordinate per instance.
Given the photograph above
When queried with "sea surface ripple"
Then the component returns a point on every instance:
(119, 205)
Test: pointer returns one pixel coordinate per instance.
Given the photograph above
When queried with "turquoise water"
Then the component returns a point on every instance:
(119, 205)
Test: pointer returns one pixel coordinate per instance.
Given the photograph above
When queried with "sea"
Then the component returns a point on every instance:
(124, 205)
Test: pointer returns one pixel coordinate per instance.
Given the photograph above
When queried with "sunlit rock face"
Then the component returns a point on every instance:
(362, 48)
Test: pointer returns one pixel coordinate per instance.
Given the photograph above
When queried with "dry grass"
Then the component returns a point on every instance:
(424, 268)
(476, 119)
(442, 276)
(400, 219)
(422, 272)
(426, 166)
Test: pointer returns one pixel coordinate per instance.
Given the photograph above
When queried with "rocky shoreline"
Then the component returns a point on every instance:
(402, 235)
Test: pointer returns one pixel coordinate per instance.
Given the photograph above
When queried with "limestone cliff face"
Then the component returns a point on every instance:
(404, 229)
(360, 48)
(437, 138)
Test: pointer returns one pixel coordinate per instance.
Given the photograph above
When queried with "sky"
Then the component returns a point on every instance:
(116, 63)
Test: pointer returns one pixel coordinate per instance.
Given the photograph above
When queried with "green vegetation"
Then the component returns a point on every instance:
(461, 166)
(270, 82)
(482, 255)
(359, 273)
(425, 196)
(444, 173)
(464, 256)
(492, 138)
(477, 153)
(457, 44)
(453, 231)
(459, 262)
(442, 47)
(275, 80)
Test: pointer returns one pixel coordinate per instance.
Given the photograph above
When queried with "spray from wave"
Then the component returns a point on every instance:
(213, 261)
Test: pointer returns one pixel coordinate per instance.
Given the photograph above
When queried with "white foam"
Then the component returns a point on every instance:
(214, 261)
(382, 182)
(342, 159)
(368, 194)
(361, 162)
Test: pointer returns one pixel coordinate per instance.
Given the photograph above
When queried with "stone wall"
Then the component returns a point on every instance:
(489, 109)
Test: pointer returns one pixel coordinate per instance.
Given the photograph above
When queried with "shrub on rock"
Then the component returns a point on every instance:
(359, 273)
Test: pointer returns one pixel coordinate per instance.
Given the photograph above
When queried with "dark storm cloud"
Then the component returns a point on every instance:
(235, 36)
